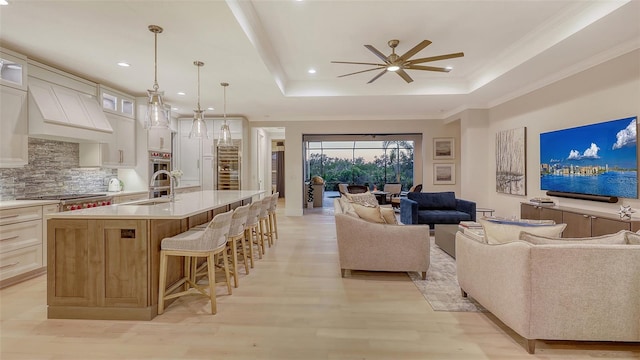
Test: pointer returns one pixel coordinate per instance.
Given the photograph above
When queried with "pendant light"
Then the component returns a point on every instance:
(198, 127)
(225, 132)
(157, 115)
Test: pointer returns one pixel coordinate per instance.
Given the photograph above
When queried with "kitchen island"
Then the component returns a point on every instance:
(103, 262)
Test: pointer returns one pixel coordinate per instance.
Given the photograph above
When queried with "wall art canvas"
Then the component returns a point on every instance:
(511, 171)
(444, 174)
(443, 148)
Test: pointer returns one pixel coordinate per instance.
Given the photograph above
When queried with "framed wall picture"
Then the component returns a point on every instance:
(444, 174)
(443, 148)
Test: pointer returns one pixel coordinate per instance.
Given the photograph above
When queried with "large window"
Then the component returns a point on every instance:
(366, 162)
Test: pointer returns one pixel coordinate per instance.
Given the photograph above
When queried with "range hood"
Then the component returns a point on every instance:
(61, 113)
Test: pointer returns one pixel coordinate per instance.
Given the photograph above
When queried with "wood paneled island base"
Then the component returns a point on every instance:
(103, 263)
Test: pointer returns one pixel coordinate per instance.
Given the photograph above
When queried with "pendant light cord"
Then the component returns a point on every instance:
(155, 29)
(224, 87)
(155, 62)
(198, 65)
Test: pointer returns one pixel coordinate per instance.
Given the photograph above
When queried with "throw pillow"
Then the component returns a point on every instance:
(371, 214)
(389, 215)
(365, 199)
(618, 238)
(633, 238)
(347, 207)
(497, 232)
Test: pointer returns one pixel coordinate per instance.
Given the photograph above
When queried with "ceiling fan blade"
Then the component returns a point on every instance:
(423, 44)
(357, 63)
(377, 76)
(435, 58)
(382, 56)
(358, 72)
(428, 68)
(403, 74)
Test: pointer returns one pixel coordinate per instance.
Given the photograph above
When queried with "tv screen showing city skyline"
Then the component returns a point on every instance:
(597, 159)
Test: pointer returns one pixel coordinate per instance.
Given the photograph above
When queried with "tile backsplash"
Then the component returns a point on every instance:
(52, 169)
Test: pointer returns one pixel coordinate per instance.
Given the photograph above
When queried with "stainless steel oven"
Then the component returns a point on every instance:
(161, 185)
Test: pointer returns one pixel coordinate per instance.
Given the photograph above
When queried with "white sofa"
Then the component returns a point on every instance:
(364, 245)
(569, 291)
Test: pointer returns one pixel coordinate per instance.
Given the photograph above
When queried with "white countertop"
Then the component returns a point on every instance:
(14, 204)
(126, 192)
(185, 205)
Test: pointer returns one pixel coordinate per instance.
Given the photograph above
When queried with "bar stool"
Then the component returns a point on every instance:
(264, 222)
(193, 244)
(236, 240)
(273, 220)
(252, 234)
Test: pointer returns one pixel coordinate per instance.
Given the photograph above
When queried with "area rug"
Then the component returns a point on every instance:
(441, 286)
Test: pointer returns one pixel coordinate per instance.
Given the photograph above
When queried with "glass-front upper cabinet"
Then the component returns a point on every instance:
(13, 69)
(116, 102)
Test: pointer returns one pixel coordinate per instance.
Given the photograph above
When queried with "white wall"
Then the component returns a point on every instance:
(423, 160)
(605, 92)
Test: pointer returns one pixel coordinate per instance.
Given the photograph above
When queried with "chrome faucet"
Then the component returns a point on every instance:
(171, 190)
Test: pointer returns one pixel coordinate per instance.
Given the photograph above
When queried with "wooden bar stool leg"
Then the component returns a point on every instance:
(226, 271)
(275, 224)
(211, 269)
(234, 261)
(244, 253)
(248, 235)
(163, 281)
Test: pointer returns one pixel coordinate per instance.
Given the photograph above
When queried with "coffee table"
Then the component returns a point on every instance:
(445, 235)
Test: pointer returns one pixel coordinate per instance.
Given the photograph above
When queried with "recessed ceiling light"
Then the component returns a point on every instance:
(449, 67)
(124, 64)
(210, 108)
(181, 93)
(4, 2)
(174, 108)
(311, 71)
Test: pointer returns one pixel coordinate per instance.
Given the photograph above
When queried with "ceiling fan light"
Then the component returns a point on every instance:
(393, 68)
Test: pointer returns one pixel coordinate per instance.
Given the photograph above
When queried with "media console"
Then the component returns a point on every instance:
(580, 222)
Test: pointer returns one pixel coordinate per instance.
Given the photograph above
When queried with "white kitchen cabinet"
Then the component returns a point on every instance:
(159, 140)
(208, 173)
(21, 236)
(119, 151)
(189, 155)
(14, 139)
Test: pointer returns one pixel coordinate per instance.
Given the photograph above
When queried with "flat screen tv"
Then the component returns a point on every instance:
(598, 159)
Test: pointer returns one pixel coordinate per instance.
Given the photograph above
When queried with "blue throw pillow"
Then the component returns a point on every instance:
(432, 201)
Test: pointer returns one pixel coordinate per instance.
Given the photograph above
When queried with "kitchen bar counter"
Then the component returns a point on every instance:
(103, 263)
(15, 204)
(185, 205)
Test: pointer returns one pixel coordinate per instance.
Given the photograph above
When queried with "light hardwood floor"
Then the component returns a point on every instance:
(293, 305)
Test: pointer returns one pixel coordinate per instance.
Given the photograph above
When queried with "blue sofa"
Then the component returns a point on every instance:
(435, 208)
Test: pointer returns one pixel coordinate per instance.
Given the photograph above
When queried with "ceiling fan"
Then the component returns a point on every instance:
(399, 64)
